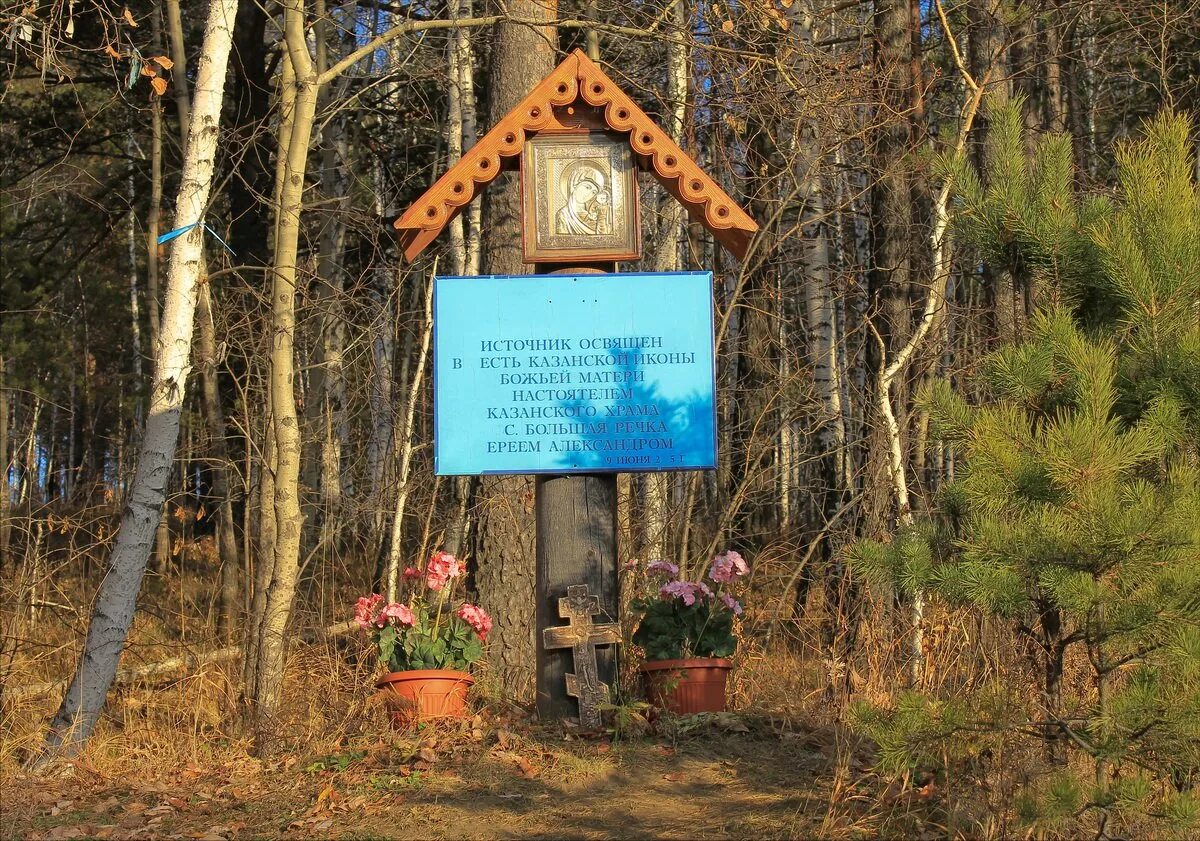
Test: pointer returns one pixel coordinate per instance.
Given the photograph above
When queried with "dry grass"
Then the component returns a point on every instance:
(784, 766)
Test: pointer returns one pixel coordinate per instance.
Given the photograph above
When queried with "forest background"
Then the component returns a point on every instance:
(925, 177)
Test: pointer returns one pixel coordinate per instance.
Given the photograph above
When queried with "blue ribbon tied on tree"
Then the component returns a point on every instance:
(178, 232)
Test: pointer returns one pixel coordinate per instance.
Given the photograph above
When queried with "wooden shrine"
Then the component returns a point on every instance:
(576, 97)
(578, 141)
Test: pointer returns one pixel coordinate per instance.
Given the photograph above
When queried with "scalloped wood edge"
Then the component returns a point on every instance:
(577, 77)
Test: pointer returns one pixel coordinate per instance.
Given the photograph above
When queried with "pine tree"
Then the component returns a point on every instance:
(1078, 517)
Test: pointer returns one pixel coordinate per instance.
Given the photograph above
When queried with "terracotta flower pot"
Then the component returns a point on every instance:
(425, 694)
(693, 685)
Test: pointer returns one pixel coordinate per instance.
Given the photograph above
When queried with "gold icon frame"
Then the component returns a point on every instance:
(579, 199)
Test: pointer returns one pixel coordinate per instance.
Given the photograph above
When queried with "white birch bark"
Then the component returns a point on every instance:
(470, 130)
(818, 277)
(464, 131)
(454, 140)
(383, 353)
(134, 313)
(117, 597)
(325, 407)
(328, 398)
(414, 392)
(935, 298)
(665, 258)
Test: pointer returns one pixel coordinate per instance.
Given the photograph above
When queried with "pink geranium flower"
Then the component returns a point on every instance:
(365, 609)
(664, 567)
(728, 567)
(401, 613)
(411, 573)
(477, 618)
(685, 591)
(732, 604)
(441, 568)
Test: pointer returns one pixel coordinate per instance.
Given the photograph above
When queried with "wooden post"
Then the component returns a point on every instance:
(576, 517)
(582, 634)
(576, 544)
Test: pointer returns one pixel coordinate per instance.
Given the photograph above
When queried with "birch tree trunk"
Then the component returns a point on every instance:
(463, 133)
(408, 445)
(383, 352)
(265, 562)
(288, 520)
(465, 59)
(162, 534)
(155, 212)
(454, 139)
(135, 317)
(210, 392)
(117, 597)
(325, 407)
(665, 258)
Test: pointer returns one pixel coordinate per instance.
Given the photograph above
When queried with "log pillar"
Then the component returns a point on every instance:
(576, 544)
(576, 517)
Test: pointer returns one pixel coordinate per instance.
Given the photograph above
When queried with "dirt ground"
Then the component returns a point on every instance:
(714, 776)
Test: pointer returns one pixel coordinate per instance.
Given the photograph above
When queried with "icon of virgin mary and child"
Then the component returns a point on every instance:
(587, 210)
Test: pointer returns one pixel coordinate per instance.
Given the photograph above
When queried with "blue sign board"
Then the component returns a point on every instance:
(573, 373)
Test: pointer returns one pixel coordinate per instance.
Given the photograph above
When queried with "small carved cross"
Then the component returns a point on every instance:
(581, 635)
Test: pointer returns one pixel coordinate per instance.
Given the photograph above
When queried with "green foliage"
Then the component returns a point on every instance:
(1077, 513)
(429, 644)
(670, 630)
(334, 761)
(452, 645)
(1051, 807)
(682, 619)
(1023, 216)
(425, 631)
(919, 732)
(1149, 255)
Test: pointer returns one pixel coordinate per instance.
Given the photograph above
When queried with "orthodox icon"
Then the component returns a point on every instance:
(580, 199)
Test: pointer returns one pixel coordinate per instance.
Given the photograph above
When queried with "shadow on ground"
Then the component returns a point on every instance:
(723, 776)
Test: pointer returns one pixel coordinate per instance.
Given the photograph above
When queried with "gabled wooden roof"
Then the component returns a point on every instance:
(576, 78)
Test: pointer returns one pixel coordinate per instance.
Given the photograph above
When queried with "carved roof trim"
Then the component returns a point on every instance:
(577, 77)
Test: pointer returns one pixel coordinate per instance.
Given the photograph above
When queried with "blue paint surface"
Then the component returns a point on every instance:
(573, 373)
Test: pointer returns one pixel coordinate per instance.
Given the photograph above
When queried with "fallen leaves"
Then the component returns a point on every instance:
(329, 804)
(105, 806)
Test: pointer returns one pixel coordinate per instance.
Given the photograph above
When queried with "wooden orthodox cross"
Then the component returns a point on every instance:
(579, 142)
(581, 635)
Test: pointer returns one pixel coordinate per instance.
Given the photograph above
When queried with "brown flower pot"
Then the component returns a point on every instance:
(426, 694)
(693, 685)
